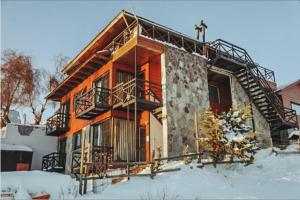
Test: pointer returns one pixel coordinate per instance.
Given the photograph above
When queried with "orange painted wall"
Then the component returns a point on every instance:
(152, 72)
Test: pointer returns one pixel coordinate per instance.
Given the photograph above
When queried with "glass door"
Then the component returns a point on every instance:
(101, 89)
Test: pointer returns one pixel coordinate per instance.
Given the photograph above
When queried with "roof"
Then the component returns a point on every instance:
(15, 147)
(284, 87)
(100, 50)
(123, 19)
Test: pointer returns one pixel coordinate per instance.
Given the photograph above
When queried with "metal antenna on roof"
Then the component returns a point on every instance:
(201, 29)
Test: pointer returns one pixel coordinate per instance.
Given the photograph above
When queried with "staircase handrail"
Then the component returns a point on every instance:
(220, 46)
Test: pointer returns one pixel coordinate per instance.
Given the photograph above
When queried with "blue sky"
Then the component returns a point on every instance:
(269, 31)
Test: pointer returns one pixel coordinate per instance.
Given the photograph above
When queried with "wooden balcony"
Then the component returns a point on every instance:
(57, 124)
(101, 157)
(148, 95)
(92, 103)
(54, 162)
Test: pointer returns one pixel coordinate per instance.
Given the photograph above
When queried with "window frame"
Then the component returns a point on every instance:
(75, 136)
(296, 104)
(107, 132)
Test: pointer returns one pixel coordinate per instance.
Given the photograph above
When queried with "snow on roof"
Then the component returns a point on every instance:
(14, 147)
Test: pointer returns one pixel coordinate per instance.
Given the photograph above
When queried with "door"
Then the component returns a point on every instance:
(62, 151)
(142, 143)
(101, 92)
(214, 98)
(62, 146)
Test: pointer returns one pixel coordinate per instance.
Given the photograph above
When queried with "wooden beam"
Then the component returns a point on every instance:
(103, 57)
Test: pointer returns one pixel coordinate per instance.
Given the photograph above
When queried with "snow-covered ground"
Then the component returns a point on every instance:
(270, 177)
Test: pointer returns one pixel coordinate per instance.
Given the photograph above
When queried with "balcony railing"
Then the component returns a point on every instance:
(148, 94)
(290, 116)
(57, 124)
(92, 103)
(54, 162)
(101, 157)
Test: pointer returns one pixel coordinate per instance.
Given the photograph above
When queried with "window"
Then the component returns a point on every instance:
(77, 140)
(101, 86)
(65, 109)
(102, 82)
(296, 107)
(101, 134)
(124, 77)
(213, 93)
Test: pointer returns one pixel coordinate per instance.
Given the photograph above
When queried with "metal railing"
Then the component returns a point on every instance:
(123, 37)
(259, 74)
(95, 97)
(239, 54)
(54, 161)
(145, 90)
(59, 121)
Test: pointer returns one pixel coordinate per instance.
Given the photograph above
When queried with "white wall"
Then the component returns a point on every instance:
(156, 135)
(36, 140)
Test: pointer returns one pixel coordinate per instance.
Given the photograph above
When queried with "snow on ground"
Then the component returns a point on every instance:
(270, 177)
(24, 183)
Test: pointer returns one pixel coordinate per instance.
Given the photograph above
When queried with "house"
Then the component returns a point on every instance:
(137, 85)
(25, 144)
(290, 97)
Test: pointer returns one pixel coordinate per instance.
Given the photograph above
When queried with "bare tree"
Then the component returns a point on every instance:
(21, 84)
(16, 71)
(44, 82)
(60, 61)
(39, 85)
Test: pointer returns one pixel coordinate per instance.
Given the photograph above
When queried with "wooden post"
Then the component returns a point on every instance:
(197, 136)
(128, 171)
(271, 142)
(80, 184)
(82, 151)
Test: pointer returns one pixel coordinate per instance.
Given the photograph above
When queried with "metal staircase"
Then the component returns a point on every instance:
(255, 80)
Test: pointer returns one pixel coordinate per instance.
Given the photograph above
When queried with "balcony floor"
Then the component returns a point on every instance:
(142, 104)
(57, 131)
(92, 111)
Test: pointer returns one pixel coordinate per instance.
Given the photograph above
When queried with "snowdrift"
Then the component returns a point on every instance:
(270, 177)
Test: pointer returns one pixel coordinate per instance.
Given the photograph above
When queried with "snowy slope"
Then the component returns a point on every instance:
(270, 177)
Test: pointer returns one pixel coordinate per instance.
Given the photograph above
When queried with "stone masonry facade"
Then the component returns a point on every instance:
(186, 86)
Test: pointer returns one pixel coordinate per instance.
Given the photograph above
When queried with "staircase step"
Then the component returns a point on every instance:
(255, 91)
(246, 83)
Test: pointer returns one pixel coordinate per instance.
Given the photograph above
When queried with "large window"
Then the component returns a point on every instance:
(296, 107)
(77, 140)
(101, 133)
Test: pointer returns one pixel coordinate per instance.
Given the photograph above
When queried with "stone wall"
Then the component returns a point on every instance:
(240, 98)
(185, 88)
(186, 93)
